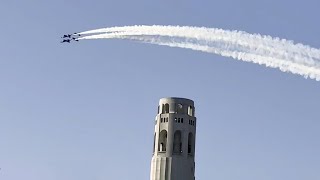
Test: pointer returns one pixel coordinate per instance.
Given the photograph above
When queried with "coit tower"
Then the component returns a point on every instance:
(174, 140)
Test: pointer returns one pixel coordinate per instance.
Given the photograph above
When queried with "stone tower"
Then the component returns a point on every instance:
(174, 140)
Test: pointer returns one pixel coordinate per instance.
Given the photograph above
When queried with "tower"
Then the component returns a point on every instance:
(174, 140)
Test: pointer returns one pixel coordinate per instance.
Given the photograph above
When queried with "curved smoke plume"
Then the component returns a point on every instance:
(265, 50)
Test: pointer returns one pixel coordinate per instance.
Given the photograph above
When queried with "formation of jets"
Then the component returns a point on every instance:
(67, 38)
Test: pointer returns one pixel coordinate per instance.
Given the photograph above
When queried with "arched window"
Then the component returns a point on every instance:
(162, 109)
(177, 143)
(190, 111)
(190, 143)
(162, 145)
(179, 109)
(158, 109)
(166, 108)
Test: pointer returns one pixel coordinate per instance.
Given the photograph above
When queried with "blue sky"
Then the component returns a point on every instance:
(86, 110)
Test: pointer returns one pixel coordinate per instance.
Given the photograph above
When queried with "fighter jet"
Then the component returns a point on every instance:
(69, 40)
(76, 33)
(66, 40)
(66, 36)
(75, 39)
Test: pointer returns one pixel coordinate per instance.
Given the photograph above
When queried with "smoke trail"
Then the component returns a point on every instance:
(265, 50)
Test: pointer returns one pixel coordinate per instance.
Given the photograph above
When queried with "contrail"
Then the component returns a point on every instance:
(265, 50)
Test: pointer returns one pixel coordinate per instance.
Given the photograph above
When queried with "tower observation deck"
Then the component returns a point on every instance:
(174, 140)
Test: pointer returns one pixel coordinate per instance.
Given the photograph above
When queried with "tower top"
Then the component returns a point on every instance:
(176, 105)
(176, 100)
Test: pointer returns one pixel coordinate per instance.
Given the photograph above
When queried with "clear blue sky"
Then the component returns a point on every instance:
(86, 110)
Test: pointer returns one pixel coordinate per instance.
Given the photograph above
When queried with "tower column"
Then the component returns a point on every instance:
(174, 140)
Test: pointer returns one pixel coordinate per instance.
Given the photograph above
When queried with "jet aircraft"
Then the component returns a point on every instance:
(69, 40)
(66, 40)
(66, 36)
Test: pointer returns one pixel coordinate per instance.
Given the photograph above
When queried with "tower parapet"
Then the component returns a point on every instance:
(174, 140)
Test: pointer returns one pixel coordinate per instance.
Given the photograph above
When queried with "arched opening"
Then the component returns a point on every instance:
(162, 145)
(179, 109)
(166, 108)
(190, 143)
(177, 143)
(162, 109)
(190, 111)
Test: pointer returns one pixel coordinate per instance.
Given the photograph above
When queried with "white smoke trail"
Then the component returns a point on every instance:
(265, 50)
